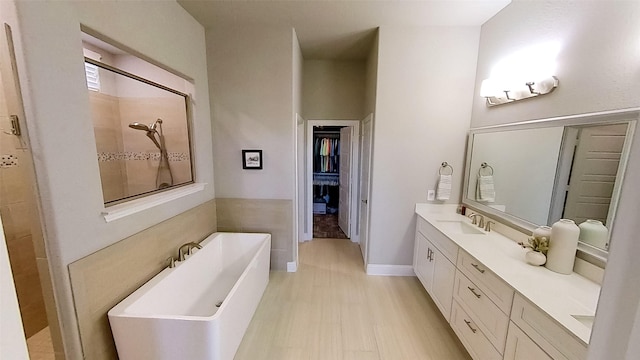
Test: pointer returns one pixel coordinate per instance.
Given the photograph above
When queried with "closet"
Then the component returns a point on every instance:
(326, 181)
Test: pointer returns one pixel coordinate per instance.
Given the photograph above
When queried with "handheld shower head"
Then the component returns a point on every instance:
(151, 131)
(139, 126)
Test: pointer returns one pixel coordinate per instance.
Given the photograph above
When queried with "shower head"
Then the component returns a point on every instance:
(139, 126)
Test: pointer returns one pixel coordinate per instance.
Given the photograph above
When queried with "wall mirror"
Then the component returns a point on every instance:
(140, 116)
(535, 173)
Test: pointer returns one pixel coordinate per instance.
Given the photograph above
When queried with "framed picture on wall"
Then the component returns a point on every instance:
(252, 159)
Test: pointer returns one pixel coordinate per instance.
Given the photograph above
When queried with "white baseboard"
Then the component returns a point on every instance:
(292, 266)
(390, 270)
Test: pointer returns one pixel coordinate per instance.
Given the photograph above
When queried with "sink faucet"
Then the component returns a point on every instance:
(188, 247)
(487, 227)
(474, 220)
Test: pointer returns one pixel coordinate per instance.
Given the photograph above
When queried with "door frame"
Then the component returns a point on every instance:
(366, 216)
(355, 175)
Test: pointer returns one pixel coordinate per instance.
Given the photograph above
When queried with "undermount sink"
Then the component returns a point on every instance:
(459, 227)
(586, 320)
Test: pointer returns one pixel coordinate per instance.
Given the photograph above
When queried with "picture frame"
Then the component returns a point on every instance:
(252, 159)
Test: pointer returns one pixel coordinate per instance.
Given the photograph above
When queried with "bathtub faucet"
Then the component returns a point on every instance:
(188, 247)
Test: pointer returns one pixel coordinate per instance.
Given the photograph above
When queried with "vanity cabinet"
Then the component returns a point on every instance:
(492, 319)
(521, 347)
(435, 271)
(552, 338)
(474, 340)
(485, 313)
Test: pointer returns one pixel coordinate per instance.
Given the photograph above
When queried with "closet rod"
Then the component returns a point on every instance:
(336, 132)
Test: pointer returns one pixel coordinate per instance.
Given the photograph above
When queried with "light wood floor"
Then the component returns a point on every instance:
(330, 309)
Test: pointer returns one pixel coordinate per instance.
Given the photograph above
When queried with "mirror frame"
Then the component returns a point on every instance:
(629, 116)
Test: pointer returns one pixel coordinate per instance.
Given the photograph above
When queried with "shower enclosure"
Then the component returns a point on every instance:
(123, 106)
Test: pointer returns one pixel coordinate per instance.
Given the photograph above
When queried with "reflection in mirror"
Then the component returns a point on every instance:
(539, 173)
(523, 164)
(594, 154)
(141, 126)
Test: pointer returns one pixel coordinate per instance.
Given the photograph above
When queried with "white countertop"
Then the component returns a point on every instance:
(558, 295)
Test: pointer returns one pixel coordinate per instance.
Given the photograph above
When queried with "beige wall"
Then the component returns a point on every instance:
(371, 79)
(58, 112)
(333, 90)
(598, 70)
(250, 76)
(423, 105)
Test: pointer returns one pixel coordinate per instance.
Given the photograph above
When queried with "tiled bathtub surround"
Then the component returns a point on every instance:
(273, 216)
(125, 266)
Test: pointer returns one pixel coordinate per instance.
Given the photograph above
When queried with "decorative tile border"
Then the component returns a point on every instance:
(8, 161)
(119, 156)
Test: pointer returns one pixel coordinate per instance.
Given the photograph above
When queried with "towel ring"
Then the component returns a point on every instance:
(483, 166)
(445, 165)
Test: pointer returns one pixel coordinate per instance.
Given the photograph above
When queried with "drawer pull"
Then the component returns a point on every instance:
(469, 325)
(477, 268)
(473, 291)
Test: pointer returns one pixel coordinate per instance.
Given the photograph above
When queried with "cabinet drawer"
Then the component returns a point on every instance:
(471, 335)
(521, 347)
(493, 322)
(552, 337)
(497, 290)
(443, 243)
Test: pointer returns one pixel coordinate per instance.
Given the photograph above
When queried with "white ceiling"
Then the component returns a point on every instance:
(342, 29)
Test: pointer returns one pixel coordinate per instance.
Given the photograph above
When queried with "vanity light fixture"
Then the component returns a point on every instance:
(524, 74)
(497, 92)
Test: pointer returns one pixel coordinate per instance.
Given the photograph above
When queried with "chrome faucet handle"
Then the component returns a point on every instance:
(487, 227)
(172, 262)
(481, 222)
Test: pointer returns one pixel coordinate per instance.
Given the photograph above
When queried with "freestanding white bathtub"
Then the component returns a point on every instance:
(174, 315)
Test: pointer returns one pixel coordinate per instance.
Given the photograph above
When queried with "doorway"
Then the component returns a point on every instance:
(332, 179)
(19, 212)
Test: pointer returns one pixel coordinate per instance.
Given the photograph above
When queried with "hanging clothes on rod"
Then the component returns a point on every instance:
(326, 154)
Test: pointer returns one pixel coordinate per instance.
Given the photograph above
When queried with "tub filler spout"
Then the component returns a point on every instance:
(188, 247)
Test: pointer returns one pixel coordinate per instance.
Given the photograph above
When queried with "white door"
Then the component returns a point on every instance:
(344, 189)
(594, 171)
(365, 171)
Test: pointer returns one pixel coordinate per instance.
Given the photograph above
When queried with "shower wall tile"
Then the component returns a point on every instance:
(27, 281)
(13, 185)
(111, 176)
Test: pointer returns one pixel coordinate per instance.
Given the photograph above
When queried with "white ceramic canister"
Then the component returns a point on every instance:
(593, 232)
(562, 247)
(535, 258)
(542, 231)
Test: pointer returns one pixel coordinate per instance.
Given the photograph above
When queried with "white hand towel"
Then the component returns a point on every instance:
(443, 190)
(485, 190)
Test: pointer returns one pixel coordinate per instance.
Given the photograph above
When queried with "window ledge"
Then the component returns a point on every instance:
(121, 210)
